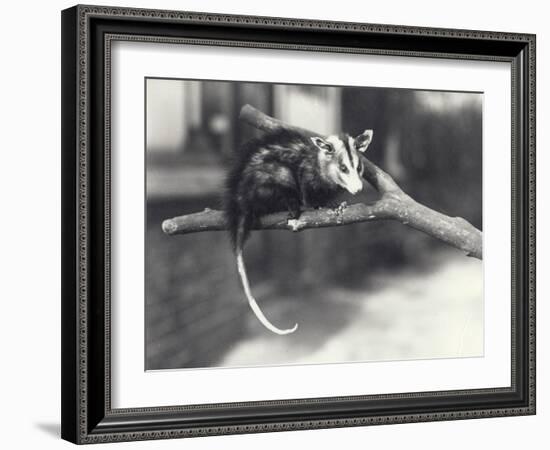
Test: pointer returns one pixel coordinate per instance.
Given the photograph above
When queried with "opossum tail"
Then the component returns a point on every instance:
(239, 242)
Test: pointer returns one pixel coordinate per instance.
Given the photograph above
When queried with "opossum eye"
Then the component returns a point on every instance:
(343, 169)
(329, 148)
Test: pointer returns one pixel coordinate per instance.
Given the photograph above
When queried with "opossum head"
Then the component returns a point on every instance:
(339, 159)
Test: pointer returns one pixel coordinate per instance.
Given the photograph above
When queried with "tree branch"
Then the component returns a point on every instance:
(394, 204)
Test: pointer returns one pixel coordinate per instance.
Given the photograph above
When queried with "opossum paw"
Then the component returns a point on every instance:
(339, 211)
(338, 207)
(295, 224)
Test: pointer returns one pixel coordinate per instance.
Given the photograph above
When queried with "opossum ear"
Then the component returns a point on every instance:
(363, 140)
(322, 144)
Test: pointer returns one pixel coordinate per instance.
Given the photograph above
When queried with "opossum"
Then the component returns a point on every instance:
(286, 171)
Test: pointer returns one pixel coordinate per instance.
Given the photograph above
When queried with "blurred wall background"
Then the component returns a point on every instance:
(196, 313)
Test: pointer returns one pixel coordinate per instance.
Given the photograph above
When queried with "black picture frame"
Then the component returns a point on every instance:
(87, 416)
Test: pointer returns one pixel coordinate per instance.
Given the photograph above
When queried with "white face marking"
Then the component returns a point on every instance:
(343, 171)
(355, 156)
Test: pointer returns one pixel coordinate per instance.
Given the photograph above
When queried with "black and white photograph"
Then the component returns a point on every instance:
(296, 224)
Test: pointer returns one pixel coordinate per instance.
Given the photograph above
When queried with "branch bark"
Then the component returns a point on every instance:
(394, 204)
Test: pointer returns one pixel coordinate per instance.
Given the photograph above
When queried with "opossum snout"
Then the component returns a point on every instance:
(353, 186)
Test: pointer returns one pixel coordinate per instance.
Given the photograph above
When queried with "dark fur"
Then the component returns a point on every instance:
(277, 172)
